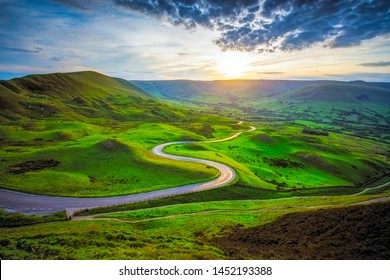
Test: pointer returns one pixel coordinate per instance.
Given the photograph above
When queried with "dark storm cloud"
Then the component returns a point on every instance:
(376, 64)
(267, 25)
(207, 13)
(291, 25)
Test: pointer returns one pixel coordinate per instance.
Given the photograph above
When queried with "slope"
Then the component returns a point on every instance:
(78, 96)
(355, 232)
(52, 128)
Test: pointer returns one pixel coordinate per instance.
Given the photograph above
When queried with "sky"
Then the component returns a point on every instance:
(198, 39)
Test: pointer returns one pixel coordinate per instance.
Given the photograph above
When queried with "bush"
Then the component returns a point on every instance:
(315, 132)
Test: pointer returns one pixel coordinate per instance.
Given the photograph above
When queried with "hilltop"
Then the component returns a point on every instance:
(79, 96)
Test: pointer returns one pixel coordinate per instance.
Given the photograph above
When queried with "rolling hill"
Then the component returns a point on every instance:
(49, 122)
(79, 96)
(357, 106)
(231, 90)
(87, 134)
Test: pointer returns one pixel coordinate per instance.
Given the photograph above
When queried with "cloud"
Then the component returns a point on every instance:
(270, 72)
(81, 5)
(35, 50)
(268, 25)
(376, 64)
(189, 13)
(65, 58)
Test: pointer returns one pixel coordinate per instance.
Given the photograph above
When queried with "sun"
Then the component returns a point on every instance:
(233, 64)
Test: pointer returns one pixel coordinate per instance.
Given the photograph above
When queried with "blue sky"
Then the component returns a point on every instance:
(198, 39)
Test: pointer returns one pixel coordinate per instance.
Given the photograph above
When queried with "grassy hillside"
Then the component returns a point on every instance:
(286, 157)
(189, 231)
(86, 134)
(70, 127)
(310, 133)
(84, 96)
(356, 232)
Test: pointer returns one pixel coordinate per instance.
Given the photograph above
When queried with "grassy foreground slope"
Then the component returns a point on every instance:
(199, 231)
(355, 232)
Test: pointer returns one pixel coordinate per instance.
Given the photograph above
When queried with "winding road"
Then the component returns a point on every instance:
(14, 201)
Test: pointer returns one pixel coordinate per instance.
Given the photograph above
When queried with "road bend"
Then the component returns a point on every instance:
(14, 201)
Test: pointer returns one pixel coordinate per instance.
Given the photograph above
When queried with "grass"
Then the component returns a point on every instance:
(101, 131)
(94, 110)
(99, 163)
(101, 140)
(17, 219)
(260, 157)
(98, 240)
(184, 232)
(349, 233)
(231, 207)
(243, 192)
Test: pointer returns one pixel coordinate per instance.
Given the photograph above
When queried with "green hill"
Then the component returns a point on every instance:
(81, 96)
(87, 134)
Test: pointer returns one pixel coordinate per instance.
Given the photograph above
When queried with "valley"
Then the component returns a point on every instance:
(85, 136)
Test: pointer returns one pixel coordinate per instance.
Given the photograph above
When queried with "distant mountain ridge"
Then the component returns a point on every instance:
(340, 103)
(188, 90)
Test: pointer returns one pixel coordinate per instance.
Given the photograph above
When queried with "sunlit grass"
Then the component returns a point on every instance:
(285, 158)
(100, 162)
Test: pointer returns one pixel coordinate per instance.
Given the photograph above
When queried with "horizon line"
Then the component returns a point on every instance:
(197, 80)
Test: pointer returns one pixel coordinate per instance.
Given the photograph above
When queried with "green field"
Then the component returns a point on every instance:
(93, 136)
(283, 157)
(94, 161)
